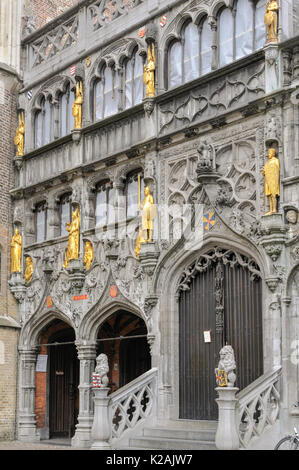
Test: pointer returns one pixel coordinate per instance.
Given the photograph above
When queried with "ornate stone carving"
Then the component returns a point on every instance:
(228, 364)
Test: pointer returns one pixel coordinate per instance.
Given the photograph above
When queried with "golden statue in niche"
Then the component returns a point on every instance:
(148, 208)
(149, 72)
(16, 251)
(88, 255)
(74, 238)
(271, 172)
(77, 106)
(29, 269)
(270, 21)
(19, 137)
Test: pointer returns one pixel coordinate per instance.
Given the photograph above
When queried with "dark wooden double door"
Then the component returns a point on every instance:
(64, 394)
(226, 300)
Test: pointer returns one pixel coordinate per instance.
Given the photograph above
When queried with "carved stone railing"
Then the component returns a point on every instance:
(133, 403)
(258, 406)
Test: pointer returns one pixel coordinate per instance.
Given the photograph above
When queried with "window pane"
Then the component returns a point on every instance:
(98, 100)
(129, 84)
(47, 123)
(175, 65)
(38, 129)
(65, 217)
(206, 48)
(132, 196)
(110, 207)
(244, 28)
(225, 37)
(110, 93)
(138, 79)
(191, 53)
(63, 115)
(40, 225)
(260, 29)
(101, 208)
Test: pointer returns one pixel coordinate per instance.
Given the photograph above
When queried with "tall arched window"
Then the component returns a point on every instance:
(133, 81)
(40, 222)
(65, 212)
(106, 94)
(241, 33)
(44, 123)
(105, 213)
(66, 101)
(226, 38)
(132, 192)
(191, 57)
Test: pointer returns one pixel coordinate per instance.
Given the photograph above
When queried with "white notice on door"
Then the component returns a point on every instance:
(41, 363)
(207, 336)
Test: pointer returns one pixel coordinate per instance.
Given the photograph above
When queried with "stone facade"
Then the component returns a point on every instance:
(203, 143)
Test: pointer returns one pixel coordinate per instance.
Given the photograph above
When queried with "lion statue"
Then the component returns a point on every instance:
(228, 364)
(102, 369)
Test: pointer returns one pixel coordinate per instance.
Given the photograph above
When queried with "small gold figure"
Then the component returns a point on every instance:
(148, 208)
(149, 72)
(29, 269)
(19, 137)
(74, 236)
(270, 21)
(16, 252)
(77, 106)
(88, 255)
(271, 172)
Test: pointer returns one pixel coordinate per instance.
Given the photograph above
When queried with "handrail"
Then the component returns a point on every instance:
(133, 403)
(258, 406)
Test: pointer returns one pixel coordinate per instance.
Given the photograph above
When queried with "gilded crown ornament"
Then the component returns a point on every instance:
(19, 137)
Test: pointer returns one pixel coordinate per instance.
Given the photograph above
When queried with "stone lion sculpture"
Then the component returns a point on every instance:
(228, 364)
(102, 369)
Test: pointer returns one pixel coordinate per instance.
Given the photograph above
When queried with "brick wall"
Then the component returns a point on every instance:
(8, 307)
(46, 10)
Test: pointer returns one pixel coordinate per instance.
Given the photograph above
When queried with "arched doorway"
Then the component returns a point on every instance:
(220, 303)
(57, 394)
(123, 338)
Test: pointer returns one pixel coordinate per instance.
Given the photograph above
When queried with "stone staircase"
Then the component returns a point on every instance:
(179, 437)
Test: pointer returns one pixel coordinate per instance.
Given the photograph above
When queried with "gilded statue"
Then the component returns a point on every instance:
(29, 269)
(149, 72)
(271, 172)
(16, 251)
(74, 238)
(270, 20)
(19, 137)
(77, 106)
(148, 209)
(88, 255)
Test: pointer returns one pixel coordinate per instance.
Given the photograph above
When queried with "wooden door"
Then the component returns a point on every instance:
(64, 380)
(220, 293)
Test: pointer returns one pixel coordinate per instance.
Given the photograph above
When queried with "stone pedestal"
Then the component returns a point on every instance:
(101, 428)
(227, 437)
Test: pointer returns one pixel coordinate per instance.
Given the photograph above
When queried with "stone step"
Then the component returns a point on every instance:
(157, 443)
(194, 435)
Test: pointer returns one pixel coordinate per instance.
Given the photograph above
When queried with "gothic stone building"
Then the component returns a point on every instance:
(218, 270)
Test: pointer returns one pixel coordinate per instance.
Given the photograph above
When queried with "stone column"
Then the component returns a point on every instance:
(27, 424)
(87, 357)
(227, 437)
(101, 429)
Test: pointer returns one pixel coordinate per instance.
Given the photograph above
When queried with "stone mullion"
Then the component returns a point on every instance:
(27, 422)
(87, 357)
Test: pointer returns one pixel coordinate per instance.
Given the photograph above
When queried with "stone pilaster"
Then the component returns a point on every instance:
(87, 358)
(27, 424)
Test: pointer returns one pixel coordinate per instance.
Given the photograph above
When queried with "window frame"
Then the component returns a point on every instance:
(132, 61)
(42, 115)
(41, 207)
(133, 175)
(66, 197)
(106, 186)
(115, 91)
